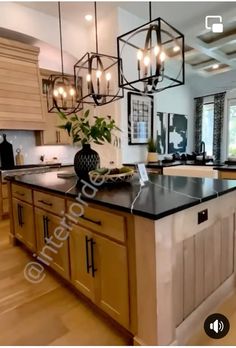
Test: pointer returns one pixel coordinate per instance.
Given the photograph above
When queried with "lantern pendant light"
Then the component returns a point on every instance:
(96, 76)
(156, 49)
(61, 92)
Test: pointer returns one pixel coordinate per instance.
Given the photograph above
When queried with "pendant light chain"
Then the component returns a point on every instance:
(60, 31)
(96, 25)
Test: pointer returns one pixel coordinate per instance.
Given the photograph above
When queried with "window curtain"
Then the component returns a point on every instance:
(219, 102)
(198, 122)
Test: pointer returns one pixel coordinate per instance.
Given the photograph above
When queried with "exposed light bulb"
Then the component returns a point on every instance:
(88, 77)
(215, 66)
(88, 17)
(72, 92)
(55, 93)
(146, 60)
(156, 50)
(176, 49)
(64, 94)
(98, 74)
(61, 90)
(162, 56)
(108, 76)
(139, 55)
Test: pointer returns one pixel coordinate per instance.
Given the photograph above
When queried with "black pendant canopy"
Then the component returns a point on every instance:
(61, 91)
(156, 49)
(96, 76)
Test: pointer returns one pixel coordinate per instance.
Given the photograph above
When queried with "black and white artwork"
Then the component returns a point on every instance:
(161, 132)
(140, 118)
(177, 133)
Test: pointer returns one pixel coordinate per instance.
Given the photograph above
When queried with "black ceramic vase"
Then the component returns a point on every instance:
(86, 160)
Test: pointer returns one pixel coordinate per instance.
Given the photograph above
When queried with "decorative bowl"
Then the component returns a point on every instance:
(111, 178)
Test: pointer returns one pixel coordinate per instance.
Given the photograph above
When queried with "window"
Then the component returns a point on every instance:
(232, 127)
(207, 127)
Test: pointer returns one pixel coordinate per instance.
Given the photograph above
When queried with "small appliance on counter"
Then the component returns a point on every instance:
(6, 154)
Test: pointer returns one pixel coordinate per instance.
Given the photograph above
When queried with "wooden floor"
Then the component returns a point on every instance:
(229, 310)
(47, 313)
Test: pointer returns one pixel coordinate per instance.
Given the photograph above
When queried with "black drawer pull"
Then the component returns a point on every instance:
(20, 193)
(88, 266)
(46, 203)
(90, 220)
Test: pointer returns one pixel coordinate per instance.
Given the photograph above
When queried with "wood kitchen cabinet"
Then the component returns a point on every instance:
(20, 90)
(51, 135)
(226, 174)
(99, 269)
(56, 255)
(23, 215)
(4, 201)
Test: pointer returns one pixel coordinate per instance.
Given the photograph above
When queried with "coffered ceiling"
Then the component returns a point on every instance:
(206, 53)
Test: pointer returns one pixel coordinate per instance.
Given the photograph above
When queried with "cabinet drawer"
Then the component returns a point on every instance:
(22, 193)
(101, 221)
(49, 202)
(4, 191)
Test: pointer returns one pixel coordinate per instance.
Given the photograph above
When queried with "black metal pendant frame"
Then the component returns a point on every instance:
(60, 103)
(66, 105)
(165, 36)
(96, 92)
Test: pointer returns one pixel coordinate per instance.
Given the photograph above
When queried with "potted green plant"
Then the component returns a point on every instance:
(85, 131)
(152, 151)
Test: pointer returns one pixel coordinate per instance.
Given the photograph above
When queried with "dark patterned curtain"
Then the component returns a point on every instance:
(198, 122)
(219, 101)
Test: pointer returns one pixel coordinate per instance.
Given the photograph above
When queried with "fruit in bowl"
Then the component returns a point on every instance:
(112, 175)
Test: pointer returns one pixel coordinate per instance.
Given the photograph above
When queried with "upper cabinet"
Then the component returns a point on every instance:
(20, 90)
(52, 135)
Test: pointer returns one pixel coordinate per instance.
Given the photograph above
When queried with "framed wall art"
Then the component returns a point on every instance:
(140, 118)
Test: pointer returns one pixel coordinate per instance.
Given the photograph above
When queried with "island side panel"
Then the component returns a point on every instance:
(146, 282)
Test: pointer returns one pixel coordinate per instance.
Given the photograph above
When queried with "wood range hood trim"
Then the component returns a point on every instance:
(21, 105)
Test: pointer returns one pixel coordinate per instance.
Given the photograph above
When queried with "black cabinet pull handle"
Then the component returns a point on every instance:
(92, 243)
(90, 220)
(46, 203)
(88, 266)
(45, 228)
(19, 213)
(20, 193)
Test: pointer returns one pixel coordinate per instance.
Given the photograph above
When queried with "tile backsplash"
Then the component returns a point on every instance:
(25, 140)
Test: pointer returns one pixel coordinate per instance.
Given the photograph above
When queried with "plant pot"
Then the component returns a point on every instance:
(86, 160)
(152, 157)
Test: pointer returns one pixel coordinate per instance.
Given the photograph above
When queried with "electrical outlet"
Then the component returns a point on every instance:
(202, 216)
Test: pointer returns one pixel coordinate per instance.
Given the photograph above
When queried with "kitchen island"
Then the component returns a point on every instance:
(156, 259)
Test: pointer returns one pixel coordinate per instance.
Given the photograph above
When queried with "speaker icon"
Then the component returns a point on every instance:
(217, 326)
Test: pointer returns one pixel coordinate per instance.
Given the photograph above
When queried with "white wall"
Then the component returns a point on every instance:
(174, 100)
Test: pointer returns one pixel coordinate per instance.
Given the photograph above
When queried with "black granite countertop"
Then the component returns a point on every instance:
(162, 196)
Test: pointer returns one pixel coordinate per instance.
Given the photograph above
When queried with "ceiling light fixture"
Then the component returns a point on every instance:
(61, 92)
(88, 17)
(96, 76)
(148, 48)
(215, 66)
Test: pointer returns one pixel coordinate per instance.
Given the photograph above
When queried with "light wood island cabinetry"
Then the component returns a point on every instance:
(155, 275)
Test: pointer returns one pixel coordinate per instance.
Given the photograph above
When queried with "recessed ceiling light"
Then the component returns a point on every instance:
(88, 17)
(215, 66)
(176, 49)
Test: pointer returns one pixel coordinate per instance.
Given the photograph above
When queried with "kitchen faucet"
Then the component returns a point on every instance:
(202, 150)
